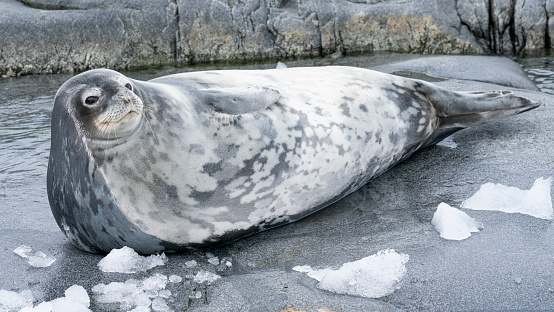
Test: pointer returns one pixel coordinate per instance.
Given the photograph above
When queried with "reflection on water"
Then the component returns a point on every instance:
(541, 71)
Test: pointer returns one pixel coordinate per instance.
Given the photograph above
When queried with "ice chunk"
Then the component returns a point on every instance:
(76, 300)
(205, 277)
(175, 279)
(65, 304)
(372, 277)
(448, 142)
(78, 294)
(38, 259)
(214, 260)
(126, 260)
(159, 305)
(141, 309)
(13, 301)
(190, 264)
(281, 65)
(134, 294)
(43, 307)
(453, 223)
(536, 202)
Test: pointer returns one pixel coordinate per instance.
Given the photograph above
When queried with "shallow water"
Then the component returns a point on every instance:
(541, 71)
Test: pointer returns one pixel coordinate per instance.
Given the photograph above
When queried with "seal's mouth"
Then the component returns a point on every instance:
(111, 121)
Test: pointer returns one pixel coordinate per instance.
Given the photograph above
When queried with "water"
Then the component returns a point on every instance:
(541, 71)
(25, 112)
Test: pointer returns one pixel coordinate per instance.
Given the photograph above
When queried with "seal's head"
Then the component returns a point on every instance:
(104, 104)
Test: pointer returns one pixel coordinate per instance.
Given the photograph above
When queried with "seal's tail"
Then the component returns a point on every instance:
(459, 110)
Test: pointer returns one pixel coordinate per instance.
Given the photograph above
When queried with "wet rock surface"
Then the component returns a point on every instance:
(53, 36)
(508, 265)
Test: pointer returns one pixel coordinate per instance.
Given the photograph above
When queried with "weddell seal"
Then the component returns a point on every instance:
(200, 159)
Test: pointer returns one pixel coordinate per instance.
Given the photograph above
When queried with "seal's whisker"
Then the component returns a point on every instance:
(150, 126)
(152, 110)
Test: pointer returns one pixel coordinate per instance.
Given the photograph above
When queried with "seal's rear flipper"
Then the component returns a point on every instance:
(459, 110)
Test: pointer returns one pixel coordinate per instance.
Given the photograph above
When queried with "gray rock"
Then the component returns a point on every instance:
(489, 69)
(51, 36)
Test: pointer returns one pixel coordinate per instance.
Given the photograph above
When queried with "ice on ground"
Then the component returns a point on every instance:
(78, 294)
(133, 294)
(448, 142)
(191, 264)
(536, 202)
(76, 300)
(453, 223)
(372, 277)
(126, 260)
(205, 277)
(213, 260)
(175, 279)
(281, 65)
(13, 301)
(38, 259)
(159, 305)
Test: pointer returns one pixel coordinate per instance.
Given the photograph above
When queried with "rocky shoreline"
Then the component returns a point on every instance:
(65, 36)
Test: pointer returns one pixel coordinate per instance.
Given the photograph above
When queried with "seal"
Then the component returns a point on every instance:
(200, 159)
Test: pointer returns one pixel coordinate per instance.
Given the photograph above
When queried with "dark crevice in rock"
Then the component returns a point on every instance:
(516, 45)
(339, 46)
(492, 28)
(46, 6)
(57, 6)
(176, 34)
(547, 39)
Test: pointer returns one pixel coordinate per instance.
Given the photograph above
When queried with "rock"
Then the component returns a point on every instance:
(489, 69)
(53, 36)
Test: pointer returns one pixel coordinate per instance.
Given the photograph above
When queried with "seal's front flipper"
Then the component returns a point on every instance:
(459, 110)
(235, 101)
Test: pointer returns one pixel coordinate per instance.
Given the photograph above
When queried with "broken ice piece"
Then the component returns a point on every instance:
(175, 279)
(372, 277)
(38, 259)
(205, 277)
(448, 142)
(126, 260)
(13, 301)
(535, 202)
(214, 260)
(454, 224)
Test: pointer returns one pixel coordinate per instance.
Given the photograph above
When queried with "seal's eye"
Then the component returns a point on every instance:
(91, 100)
(129, 86)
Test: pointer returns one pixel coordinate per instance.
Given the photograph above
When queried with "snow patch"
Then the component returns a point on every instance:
(536, 202)
(454, 224)
(372, 277)
(126, 260)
